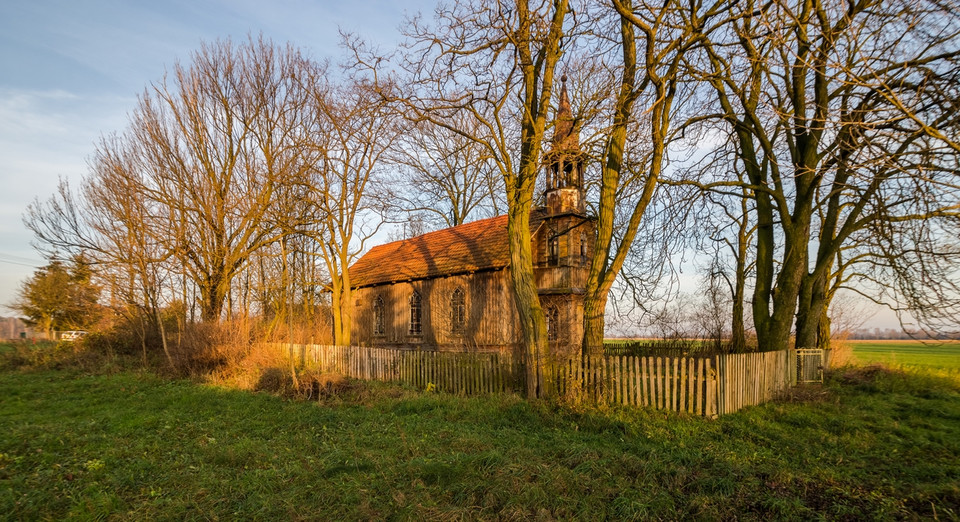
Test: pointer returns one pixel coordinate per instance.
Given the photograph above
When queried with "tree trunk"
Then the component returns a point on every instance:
(811, 311)
(764, 270)
(532, 321)
(163, 336)
(823, 332)
(212, 296)
(593, 327)
(345, 321)
(738, 336)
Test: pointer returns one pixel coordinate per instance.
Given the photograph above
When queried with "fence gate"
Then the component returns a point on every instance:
(810, 363)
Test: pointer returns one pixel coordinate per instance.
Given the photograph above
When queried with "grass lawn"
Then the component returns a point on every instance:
(870, 444)
(945, 356)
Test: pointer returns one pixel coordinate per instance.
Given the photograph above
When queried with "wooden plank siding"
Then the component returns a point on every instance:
(491, 319)
(708, 386)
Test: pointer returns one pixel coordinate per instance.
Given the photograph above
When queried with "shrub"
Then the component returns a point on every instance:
(204, 348)
(310, 384)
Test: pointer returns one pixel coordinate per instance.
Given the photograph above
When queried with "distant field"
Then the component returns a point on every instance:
(909, 353)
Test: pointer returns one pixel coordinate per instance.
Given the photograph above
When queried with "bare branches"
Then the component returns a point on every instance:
(444, 178)
(843, 116)
(190, 188)
(345, 198)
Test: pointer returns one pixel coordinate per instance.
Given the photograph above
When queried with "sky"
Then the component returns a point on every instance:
(70, 72)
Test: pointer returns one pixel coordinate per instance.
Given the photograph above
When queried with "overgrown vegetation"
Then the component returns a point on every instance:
(80, 442)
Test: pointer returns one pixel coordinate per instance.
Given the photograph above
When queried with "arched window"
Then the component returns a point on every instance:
(458, 311)
(569, 177)
(553, 323)
(553, 250)
(416, 314)
(379, 327)
(583, 248)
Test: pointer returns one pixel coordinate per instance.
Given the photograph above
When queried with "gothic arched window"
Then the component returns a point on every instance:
(553, 250)
(553, 323)
(458, 311)
(416, 314)
(378, 319)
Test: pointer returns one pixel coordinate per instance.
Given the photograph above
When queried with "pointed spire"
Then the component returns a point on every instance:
(563, 111)
(565, 136)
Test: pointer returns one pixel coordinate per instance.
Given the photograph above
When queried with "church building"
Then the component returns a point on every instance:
(450, 290)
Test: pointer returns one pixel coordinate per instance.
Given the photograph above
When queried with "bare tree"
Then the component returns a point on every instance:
(194, 179)
(445, 179)
(650, 65)
(835, 108)
(724, 232)
(356, 129)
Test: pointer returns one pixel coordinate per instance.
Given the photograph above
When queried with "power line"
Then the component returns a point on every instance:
(17, 263)
(18, 260)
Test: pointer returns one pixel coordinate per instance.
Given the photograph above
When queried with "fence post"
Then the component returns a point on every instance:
(711, 390)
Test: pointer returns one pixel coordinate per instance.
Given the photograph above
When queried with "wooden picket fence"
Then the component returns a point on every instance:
(454, 372)
(748, 379)
(665, 383)
(708, 386)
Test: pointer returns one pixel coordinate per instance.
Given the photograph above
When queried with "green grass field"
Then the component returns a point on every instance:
(945, 356)
(868, 445)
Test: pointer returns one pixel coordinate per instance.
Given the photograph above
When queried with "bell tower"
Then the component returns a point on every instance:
(564, 162)
(564, 240)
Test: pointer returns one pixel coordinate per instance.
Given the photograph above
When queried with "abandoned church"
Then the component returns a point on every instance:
(450, 290)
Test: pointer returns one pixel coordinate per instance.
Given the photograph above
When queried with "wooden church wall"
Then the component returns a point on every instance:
(570, 334)
(490, 321)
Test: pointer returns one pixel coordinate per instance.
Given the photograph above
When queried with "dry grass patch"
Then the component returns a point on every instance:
(806, 393)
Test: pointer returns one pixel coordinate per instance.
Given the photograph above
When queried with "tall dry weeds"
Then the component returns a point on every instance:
(841, 351)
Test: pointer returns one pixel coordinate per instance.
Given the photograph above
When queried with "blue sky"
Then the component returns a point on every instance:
(70, 71)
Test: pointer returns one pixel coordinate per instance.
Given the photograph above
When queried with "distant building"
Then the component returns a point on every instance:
(12, 328)
(451, 289)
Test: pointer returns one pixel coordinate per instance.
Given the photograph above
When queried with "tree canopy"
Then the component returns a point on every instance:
(59, 296)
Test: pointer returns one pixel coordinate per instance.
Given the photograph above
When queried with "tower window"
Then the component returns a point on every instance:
(378, 319)
(553, 250)
(583, 248)
(458, 311)
(568, 178)
(416, 314)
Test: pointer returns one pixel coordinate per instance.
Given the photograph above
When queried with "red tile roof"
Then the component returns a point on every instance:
(466, 248)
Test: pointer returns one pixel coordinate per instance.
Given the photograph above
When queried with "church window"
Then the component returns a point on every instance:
(378, 320)
(458, 311)
(553, 250)
(416, 314)
(583, 248)
(553, 323)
